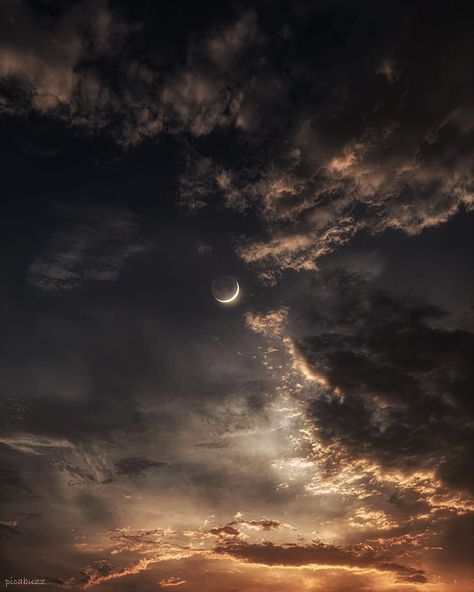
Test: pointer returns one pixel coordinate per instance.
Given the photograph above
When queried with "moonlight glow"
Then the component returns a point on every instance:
(225, 289)
(233, 297)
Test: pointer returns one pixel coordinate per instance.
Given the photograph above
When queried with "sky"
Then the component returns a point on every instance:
(315, 434)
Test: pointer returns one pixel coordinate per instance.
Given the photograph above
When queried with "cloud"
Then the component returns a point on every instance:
(103, 571)
(60, 68)
(77, 68)
(203, 179)
(394, 388)
(369, 185)
(314, 124)
(171, 582)
(293, 555)
(137, 466)
(230, 531)
(13, 483)
(262, 524)
(225, 531)
(92, 243)
(326, 149)
(36, 445)
(346, 145)
(270, 324)
(8, 528)
(198, 98)
(417, 578)
(45, 67)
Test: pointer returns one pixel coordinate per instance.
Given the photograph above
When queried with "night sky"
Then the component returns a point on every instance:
(315, 434)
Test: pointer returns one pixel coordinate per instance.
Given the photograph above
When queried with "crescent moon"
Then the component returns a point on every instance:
(233, 297)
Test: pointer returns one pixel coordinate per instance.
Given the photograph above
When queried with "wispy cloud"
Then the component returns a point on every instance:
(91, 243)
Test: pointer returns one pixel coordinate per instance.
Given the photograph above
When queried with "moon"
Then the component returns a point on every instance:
(225, 289)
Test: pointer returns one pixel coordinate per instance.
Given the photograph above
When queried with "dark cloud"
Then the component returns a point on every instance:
(137, 466)
(358, 137)
(399, 387)
(418, 578)
(321, 154)
(13, 482)
(230, 529)
(225, 531)
(94, 509)
(7, 528)
(92, 243)
(263, 524)
(315, 554)
(345, 142)
(212, 445)
(59, 63)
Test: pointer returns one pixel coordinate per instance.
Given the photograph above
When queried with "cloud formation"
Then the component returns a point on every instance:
(92, 243)
(396, 387)
(346, 152)
(316, 554)
(136, 466)
(317, 435)
(327, 148)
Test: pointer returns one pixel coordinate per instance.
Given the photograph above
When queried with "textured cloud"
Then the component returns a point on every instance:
(395, 387)
(29, 444)
(68, 68)
(58, 68)
(262, 524)
(103, 571)
(352, 148)
(43, 65)
(92, 243)
(315, 554)
(383, 383)
(199, 97)
(318, 435)
(326, 148)
(171, 582)
(136, 466)
(231, 528)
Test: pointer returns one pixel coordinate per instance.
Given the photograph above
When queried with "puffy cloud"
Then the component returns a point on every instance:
(346, 145)
(327, 149)
(60, 68)
(78, 68)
